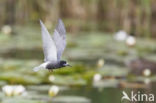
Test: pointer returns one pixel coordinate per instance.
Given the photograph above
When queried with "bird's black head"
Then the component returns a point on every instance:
(64, 63)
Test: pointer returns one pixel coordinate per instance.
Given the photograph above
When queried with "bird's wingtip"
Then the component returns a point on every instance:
(40, 21)
(60, 20)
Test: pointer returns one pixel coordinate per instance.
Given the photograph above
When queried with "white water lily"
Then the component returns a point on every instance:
(14, 90)
(97, 77)
(100, 63)
(18, 90)
(51, 78)
(147, 81)
(53, 91)
(121, 35)
(130, 41)
(147, 72)
(6, 29)
(8, 90)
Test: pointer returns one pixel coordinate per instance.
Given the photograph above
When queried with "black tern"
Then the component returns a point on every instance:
(53, 47)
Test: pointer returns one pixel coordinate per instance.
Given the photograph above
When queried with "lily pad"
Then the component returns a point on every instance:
(70, 99)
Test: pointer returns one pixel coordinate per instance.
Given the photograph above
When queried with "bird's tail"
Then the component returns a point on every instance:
(40, 67)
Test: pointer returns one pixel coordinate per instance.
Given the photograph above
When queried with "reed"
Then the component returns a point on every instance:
(133, 16)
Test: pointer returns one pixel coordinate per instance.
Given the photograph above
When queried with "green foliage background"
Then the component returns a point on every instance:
(135, 16)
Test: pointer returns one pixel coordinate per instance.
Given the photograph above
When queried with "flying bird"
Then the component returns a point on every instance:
(53, 47)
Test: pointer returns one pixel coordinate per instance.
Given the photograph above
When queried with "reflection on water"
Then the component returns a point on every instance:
(108, 95)
(87, 94)
(97, 95)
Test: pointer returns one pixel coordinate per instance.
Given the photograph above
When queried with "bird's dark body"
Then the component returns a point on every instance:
(56, 65)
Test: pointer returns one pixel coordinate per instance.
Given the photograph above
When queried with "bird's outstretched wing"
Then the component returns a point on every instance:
(49, 48)
(59, 38)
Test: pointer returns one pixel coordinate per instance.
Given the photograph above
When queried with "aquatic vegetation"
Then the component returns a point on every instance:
(130, 41)
(147, 72)
(72, 80)
(13, 90)
(121, 35)
(20, 100)
(95, 57)
(51, 78)
(100, 63)
(97, 77)
(71, 99)
(53, 91)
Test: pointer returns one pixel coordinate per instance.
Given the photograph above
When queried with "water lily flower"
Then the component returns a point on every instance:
(53, 91)
(6, 29)
(147, 72)
(51, 78)
(97, 77)
(18, 90)
(14, 90)
(147, 81)
(130, 41)
(100, 63)
(121, 35)
(8, 90)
